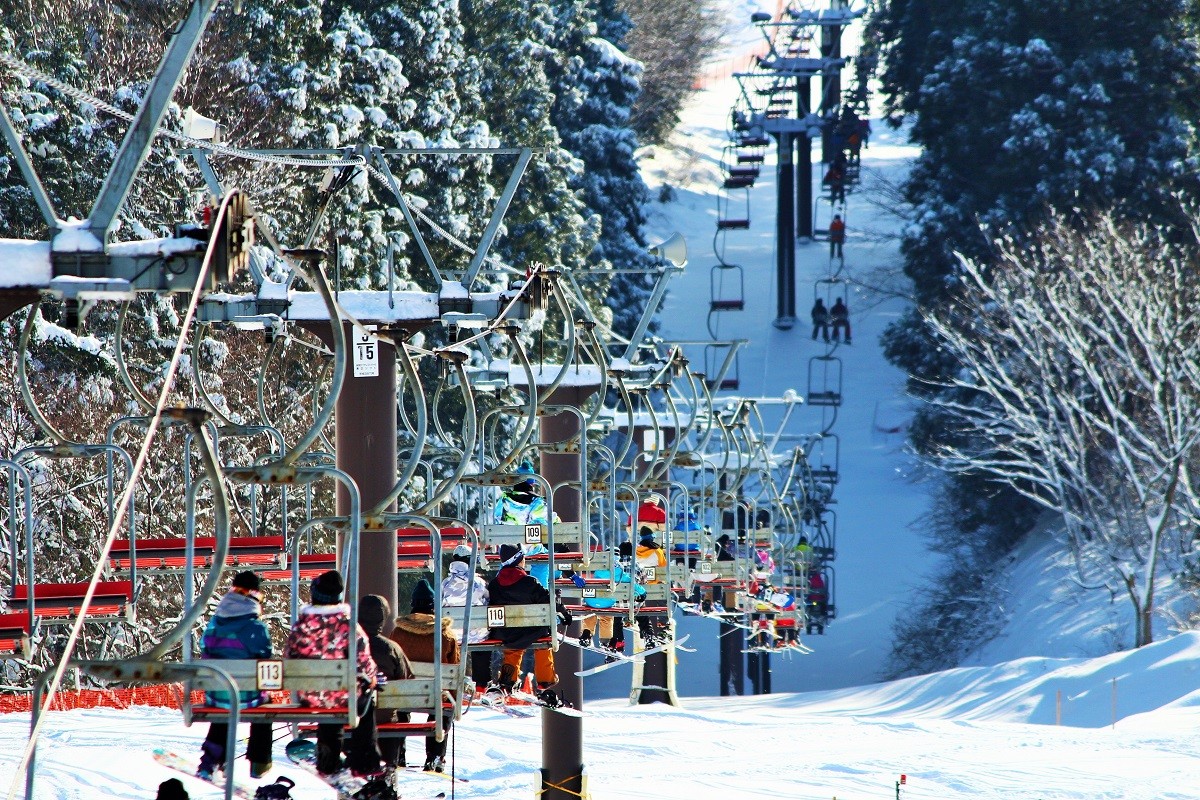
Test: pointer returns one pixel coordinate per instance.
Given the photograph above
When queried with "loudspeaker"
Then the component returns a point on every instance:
(197, 126)
(673, 249)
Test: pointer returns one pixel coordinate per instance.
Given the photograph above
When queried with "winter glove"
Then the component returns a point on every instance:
(578, 580)
(564, 616)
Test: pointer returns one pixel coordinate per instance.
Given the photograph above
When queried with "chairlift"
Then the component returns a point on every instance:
(727, 288)
(824, 381)
(726, 219)
(823, 457)
(722, 363)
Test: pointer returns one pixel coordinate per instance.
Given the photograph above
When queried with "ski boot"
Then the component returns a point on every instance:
(279, 790)
(212, 758)
(585, 638)
(434, 764)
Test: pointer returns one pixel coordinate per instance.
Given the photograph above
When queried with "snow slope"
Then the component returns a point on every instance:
(1127, 731)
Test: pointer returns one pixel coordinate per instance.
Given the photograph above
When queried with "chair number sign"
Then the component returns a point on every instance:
(649, 571)
(270, 675)
(589, 592)
(366, 353)
(533, 534)
(495, 616)
(705, 568)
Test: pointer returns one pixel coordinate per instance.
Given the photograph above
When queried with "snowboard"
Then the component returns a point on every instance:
(188, 766)
(303, 753)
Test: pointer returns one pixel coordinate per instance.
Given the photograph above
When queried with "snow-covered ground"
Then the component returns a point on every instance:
(1127, 731)
(1127, 720)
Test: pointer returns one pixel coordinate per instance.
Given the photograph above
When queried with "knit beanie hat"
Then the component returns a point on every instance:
(327, 588)
(172, 789)
(422, 598)
(247, 580)
(510, 555)
(647, 535)
(461, 553)
(373, 610)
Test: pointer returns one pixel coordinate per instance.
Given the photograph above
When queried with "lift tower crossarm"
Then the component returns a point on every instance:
(656, 298)
(136, 145)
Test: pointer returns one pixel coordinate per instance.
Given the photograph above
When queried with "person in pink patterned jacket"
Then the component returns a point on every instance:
(322, 630)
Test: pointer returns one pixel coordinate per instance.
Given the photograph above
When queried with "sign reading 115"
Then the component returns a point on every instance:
(366, 353)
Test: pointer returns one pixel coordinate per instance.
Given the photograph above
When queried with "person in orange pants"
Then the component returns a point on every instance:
(514, 586)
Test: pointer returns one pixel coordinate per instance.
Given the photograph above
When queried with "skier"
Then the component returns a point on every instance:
(650, 556)
(837, 237)
(521, 504)
(414, 633)
(835, 179)
(374, 614)
(322, 630)
(724, 548)
(817, 601)
(235, 631)
(651, 515)
(839, 315)
(171, 789)
(455, 589)
(514, 586)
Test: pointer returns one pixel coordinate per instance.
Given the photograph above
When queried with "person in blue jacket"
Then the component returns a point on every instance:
(235, 631)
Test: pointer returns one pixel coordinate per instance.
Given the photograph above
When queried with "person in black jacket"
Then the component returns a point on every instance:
(724, 548)
(374, 613)
(514, 586)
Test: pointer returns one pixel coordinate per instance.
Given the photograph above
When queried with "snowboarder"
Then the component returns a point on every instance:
(455, 590)
(235, 631)
(414, 633)
(374, 614)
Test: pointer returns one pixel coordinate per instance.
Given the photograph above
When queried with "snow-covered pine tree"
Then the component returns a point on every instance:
(595, 87)
(548, 222)
(1021, 107)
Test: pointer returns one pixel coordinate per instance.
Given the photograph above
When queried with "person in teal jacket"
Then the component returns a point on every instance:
(235, 631)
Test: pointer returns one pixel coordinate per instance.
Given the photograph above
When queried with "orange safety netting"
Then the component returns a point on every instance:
(165, 696)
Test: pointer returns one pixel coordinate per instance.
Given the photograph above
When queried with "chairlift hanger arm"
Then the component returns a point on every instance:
(470, 427)
(412, 379)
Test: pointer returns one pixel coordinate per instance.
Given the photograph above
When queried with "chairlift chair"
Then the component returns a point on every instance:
(824, 381)
(823, 456)
(727, 215)
(727, 295)
(715, 355)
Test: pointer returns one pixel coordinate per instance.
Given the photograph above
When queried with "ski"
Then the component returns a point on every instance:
(727, 617)
(189, 766)
(678, 644)
(436, 774)
(502, 705)
(621, 657)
